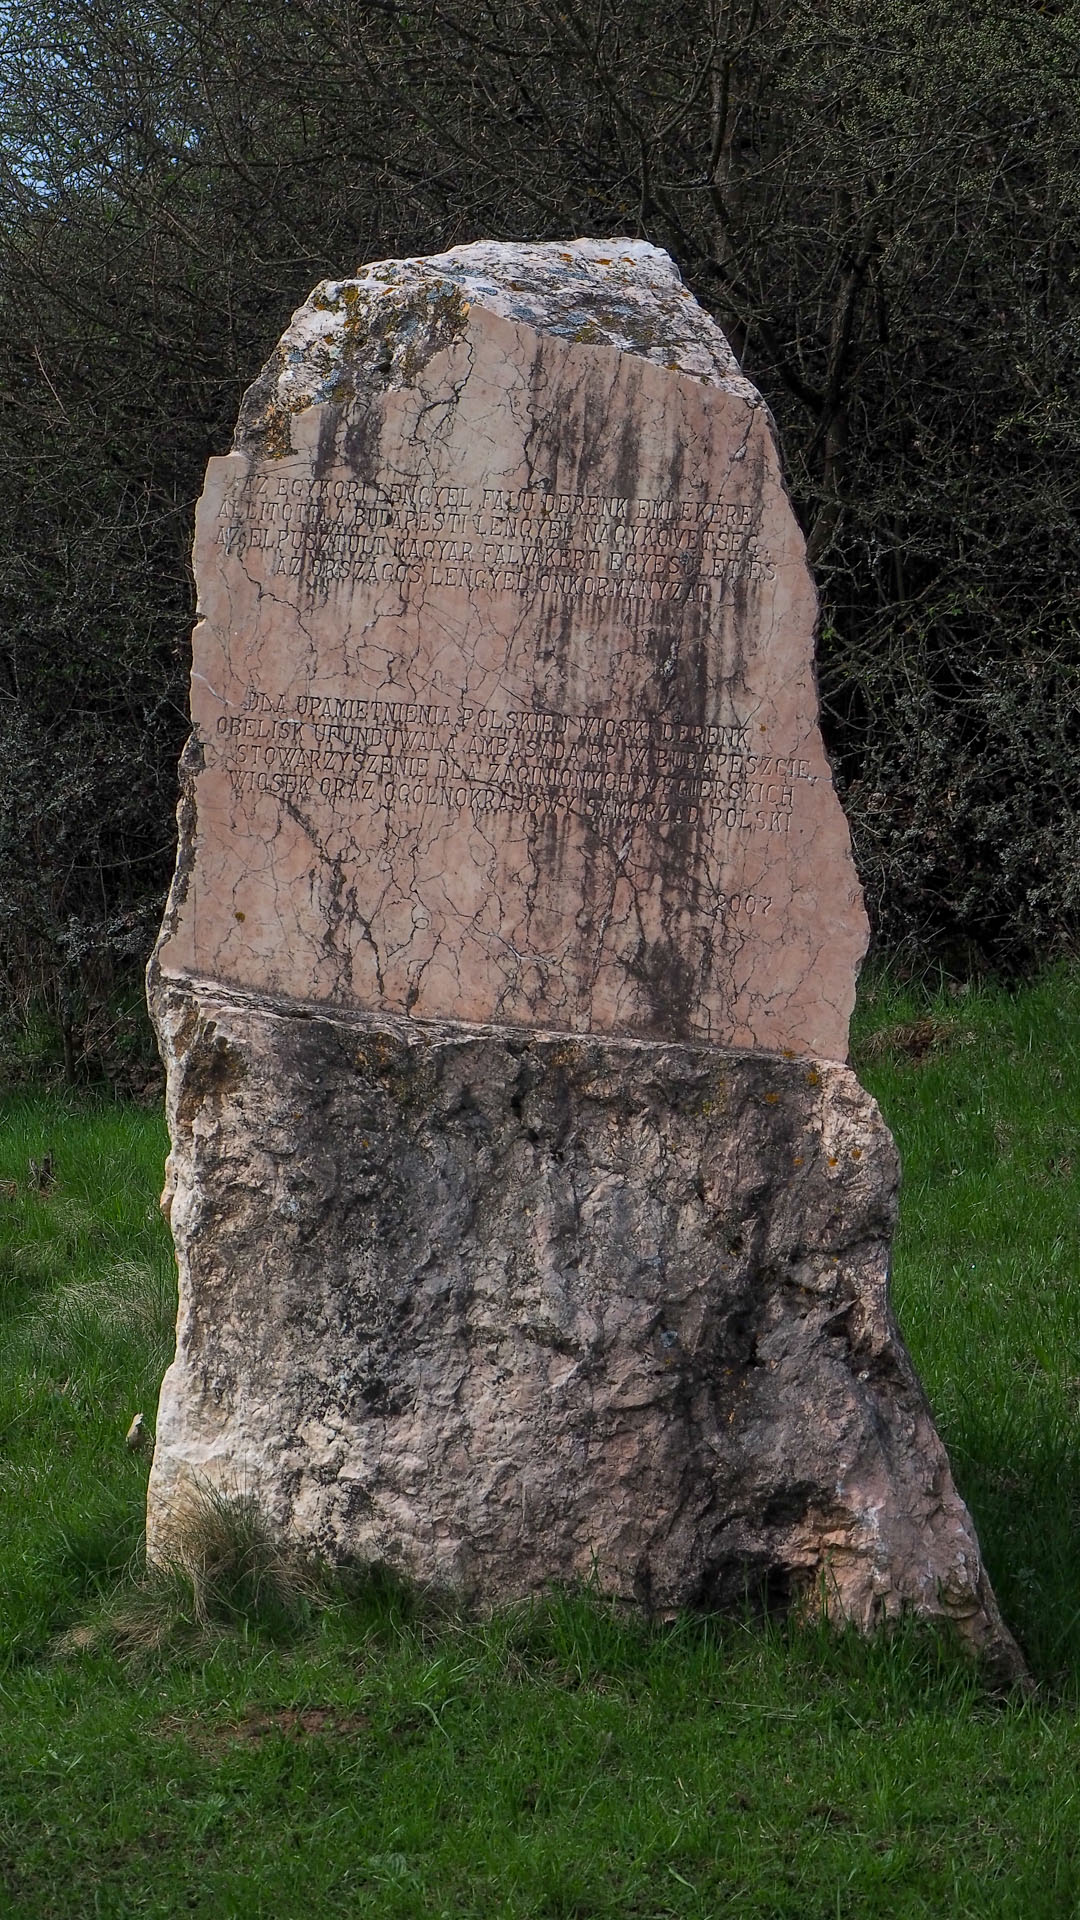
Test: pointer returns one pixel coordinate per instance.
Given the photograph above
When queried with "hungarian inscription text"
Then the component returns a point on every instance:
(413, 536)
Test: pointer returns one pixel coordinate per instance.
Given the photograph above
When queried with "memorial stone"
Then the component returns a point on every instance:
(531, 1227)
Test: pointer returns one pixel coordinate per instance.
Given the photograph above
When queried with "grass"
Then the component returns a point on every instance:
(983, 1094)
(87, 1301)
(344, 1749)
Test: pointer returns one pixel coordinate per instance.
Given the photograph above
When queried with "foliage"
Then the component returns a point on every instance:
(878, 202)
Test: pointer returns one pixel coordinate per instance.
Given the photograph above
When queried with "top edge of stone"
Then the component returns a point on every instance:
(216, 995)
(620, 293)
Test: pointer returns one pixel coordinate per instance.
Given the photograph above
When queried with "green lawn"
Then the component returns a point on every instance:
(356, 1754)
(983, 1095)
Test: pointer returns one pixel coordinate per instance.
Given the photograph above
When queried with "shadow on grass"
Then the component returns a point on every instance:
(227, 1577)
(1025, 1502)
(68, 1569)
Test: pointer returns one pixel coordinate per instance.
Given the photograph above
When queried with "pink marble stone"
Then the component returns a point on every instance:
(503, 691)
(510, 1251)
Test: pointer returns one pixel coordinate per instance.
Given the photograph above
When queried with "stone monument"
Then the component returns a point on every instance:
(531, 1227)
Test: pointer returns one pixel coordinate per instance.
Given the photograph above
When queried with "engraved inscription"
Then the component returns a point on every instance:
(572, 545)
(503, 697)
(410, 757)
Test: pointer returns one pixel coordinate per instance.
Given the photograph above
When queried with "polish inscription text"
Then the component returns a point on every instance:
(411, 757)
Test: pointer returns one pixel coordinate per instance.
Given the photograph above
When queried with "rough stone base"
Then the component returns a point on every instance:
(503, 1309)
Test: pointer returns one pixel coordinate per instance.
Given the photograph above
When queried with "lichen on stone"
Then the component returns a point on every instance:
(388, 320)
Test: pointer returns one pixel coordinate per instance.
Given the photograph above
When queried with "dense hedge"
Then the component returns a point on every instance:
(880, 204)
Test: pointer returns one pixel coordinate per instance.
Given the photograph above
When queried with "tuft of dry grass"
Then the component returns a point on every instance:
(223, 1568)
(132, 1298)
(911, 1039)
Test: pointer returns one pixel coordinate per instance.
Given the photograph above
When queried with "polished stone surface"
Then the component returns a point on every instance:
(503, 691)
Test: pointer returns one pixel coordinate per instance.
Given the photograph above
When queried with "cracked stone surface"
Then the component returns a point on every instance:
(501, 1308)
(503, 698)
(529, 1226)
